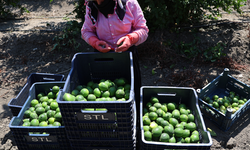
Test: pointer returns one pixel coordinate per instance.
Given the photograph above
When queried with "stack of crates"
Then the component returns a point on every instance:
(222, 86)
(16, 104)
(114, 128)
(177, 95)
(38, 137)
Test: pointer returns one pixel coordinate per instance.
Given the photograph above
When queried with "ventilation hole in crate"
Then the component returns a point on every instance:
(101, 126)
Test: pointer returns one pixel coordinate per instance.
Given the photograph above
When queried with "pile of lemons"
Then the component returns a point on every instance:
(169, 122)
(232, 101)
(43, 110)
(104, 90)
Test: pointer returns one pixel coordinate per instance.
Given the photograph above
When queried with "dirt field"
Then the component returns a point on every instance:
(26, 43)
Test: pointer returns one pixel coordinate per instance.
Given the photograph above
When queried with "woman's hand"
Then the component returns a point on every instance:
(125, 42)
(101, 46)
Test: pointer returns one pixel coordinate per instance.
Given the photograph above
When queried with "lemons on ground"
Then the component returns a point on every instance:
(91, 97)
(85, 92)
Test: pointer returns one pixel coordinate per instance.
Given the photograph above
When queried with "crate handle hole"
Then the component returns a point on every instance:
(39, 134)
(240, 86)
(94, 111)
(166, 94)
(51, 79)
(104, 59)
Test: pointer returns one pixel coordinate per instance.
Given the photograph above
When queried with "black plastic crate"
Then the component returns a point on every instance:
(221, 86)
(50, 137)
(114, 124)
(183, 95)
(16, 104)
(103, 145)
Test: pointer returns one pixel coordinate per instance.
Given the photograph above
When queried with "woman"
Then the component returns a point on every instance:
(116, 25)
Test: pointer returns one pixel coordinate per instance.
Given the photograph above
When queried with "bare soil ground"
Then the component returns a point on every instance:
(26, 43)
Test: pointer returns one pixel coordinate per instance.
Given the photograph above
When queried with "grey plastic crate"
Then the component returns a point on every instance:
(55, 137)
(16, 104)
(94, 66)
(221, 86)
(178, 95)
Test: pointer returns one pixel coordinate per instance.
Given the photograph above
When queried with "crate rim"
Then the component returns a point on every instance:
(175, 144)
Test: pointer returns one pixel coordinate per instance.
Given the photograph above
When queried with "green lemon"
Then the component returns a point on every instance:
(194, 138)
(178, 132)
(172, 140)
(55, 89)
(91, 97)
(68, 97)
(42, 117)
(156, 133)
(191, 126)
(33, 115)
(164, 108)
(53, 105)
(183, 118)
(27, 113)
(103, 86)
(120, 93)
(164, 137)
(148, 136)
(146, 121)
(26, 124)
(43, 124)
(80, 98)
(51, 120)
(167, 116)
(187, 140)
(44, 99)
(171, 106)
(169, 130)
(152, 109)
(164, 123)
(56, 123)
(176, 113)
(112, 91)
(146, 128)
(154, 100)
(34, 102)
(160, 112)
(79, 87)
(50, 113)
(173, 121)
(75, 92)
(191, 118)
(34, 122)
(58, 117)
(97, 92)
(157, 105)
(152, 115)
(32, 109)
(182, 106)
(85, 92)
(40, 95)
(40, 110)
(106, 94)
(51, 95)
(186, 133)
(153, 125)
